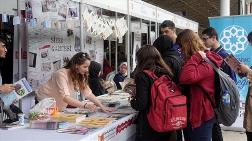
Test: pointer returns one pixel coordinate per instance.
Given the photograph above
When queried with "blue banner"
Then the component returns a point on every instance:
(232, 32)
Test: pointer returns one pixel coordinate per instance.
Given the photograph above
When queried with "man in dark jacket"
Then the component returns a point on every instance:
(168, 29)
(172, 58)
(170, 55)
(210, 39)
(5, 88)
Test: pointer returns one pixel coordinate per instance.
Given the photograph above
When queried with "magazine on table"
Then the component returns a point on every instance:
(22, 89)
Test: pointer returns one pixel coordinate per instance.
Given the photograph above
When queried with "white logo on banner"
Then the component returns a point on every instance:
(234, 39)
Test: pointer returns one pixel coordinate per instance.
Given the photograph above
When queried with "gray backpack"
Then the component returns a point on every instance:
(227, 97)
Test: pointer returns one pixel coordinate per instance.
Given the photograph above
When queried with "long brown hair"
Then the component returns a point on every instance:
(149, 58)
(79, 81)
(190, 43)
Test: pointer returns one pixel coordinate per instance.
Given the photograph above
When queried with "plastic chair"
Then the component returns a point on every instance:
(110, 76)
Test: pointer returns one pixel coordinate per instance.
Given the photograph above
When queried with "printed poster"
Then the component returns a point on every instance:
(233, 31)
(48, 51)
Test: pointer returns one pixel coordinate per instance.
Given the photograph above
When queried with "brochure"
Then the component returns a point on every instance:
(232, 62)
(22, 89)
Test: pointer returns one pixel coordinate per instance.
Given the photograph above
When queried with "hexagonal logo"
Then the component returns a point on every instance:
(234, 39)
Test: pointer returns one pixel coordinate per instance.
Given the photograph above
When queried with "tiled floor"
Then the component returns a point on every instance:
(227, 136)
(234, 136)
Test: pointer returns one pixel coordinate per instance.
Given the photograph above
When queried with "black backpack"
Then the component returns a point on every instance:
(227, 97)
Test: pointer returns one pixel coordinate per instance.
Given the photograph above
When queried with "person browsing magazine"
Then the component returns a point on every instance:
(65, 84)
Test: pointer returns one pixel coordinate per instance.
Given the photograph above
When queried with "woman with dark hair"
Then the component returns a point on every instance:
(199, 76)
(66, 84)
(170, 55)
(94, 79)
(148, 58)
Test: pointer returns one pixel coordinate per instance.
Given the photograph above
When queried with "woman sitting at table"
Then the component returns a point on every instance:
(66, 82)
(121, 75)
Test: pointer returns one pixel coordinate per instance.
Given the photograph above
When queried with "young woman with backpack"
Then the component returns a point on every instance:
(199, 77)
(148, 58)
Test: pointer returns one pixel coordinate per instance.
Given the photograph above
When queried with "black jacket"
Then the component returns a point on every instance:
(142, 104)
(169, 54)
(119, 77)
(173, 60)
(94, 80)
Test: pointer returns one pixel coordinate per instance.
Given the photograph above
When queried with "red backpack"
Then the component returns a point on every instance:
(168, 110)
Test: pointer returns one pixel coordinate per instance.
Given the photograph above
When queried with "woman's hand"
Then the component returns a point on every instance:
(90, 106)
(107, 109)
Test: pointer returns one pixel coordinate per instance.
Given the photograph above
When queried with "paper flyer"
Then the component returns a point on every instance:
(232, 62)
(22, 89)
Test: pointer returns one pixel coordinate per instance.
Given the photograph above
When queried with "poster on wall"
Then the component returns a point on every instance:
(136, 46)
(233, 31)
(94, 47)
(51, 13)
(28, 9)
(48, 51)
(55, 38)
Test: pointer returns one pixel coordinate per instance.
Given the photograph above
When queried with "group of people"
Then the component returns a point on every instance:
(182, 58)
(80, 79)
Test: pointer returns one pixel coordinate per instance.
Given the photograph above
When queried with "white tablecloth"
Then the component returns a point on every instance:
(120, 130)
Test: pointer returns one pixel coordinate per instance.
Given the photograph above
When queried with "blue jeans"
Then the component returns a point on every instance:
(202, 133)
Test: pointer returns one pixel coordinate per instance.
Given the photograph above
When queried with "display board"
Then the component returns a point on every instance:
(54, 37)
(233, 31)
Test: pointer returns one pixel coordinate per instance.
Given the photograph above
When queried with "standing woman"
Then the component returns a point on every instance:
(66, 82)
(199, 76)
(148, 58)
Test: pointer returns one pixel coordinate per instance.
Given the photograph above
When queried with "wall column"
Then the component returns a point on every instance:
(225, 8)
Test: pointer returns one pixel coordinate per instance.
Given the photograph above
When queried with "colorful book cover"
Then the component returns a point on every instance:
(232, 62)
(22, 89)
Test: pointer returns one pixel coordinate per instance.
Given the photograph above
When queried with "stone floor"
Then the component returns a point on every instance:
(227, 136)
(234, 136)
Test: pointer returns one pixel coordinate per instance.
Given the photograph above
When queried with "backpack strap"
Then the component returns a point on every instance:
(151, 74)
(212, 64)
(217, 71)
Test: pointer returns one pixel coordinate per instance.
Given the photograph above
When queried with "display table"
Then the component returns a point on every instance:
(123, 129)
(120, 130)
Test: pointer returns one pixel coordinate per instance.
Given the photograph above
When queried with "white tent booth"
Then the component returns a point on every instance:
(147, 19)
(51, 43)
(57, 29)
